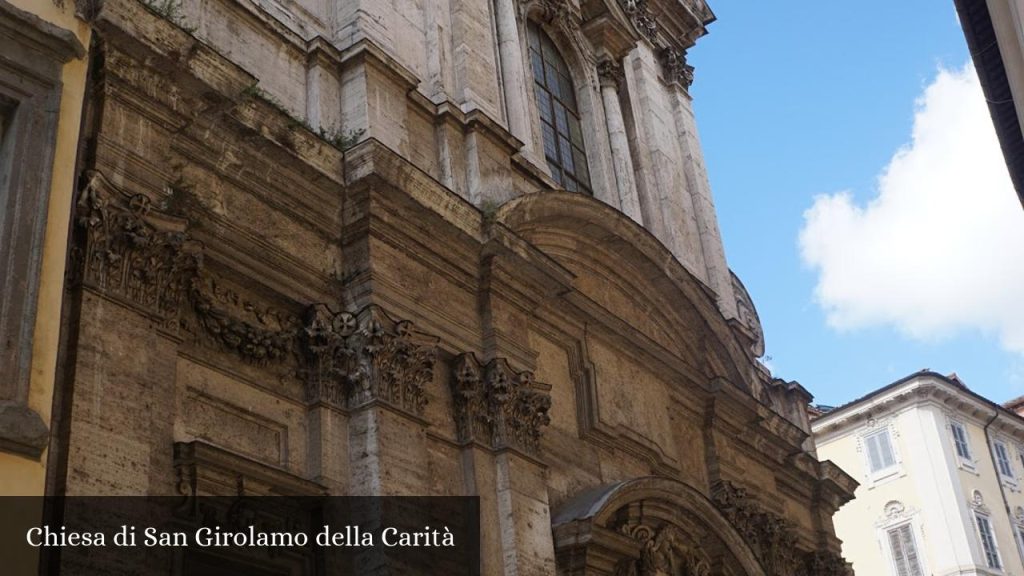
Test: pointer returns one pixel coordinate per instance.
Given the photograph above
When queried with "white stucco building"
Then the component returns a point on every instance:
(941, 471)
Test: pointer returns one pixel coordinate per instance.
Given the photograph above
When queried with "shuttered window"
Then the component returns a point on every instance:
(880, 454)
(988, 542)
(904, 551)
(963, 449)
(559, 115)
(1003, 459)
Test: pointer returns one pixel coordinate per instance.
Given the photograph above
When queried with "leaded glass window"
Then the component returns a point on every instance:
(559, 114)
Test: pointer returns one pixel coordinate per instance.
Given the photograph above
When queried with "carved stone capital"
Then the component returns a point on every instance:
(355, 359)
(132, 253)
(498, 406)
(675, 68)
(609, 72)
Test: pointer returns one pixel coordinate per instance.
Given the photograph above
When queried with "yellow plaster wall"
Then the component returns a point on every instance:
(20, 475)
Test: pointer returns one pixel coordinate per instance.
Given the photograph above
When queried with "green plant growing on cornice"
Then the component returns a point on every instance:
(489, 208)
(341, 140)
(170, 10)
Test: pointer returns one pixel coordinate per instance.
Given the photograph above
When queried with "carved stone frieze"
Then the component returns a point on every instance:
(355, 359)
(664, 551)
(265, 340)
(769, 536)
(132, 253)
(675, 68)
(497, 405)
(640, 15)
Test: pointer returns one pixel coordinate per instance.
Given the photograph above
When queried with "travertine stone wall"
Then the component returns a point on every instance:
(412, 309)
(434, 90)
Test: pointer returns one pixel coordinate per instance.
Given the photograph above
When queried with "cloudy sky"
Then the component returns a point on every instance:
(862, 196)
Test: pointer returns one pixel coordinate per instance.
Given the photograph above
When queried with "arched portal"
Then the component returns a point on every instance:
(651, 526)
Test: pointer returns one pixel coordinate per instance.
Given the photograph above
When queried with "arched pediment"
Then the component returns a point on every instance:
(649, 526)
(623, 270)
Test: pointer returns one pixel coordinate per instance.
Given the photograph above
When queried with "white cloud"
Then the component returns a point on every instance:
(940, 249)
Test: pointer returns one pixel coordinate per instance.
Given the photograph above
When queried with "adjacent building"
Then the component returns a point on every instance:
(941, 472)
(43, 68)
(995, 36)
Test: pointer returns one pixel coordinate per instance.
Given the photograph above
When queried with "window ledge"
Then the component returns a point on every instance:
(22, 430)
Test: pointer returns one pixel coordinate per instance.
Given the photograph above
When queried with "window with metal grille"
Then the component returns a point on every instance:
(904, 551)
(988, 542)
(880, 454)
(1003, 459)
(963, 449)
(559, 115)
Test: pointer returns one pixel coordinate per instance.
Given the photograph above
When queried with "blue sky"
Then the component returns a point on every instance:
(800, 99)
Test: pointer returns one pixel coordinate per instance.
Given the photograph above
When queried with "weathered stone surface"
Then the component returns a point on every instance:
(311, 249)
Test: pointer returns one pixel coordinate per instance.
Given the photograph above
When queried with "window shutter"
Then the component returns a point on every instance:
(1003, 460)
(960, 440)
(904, 551)
(913, 564)
(874, 453)
(898, 556)
(888, 458)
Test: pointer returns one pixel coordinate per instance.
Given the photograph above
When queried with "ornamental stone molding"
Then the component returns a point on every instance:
(146, 259)
(355, 359)
(770, 537)
(498, 406)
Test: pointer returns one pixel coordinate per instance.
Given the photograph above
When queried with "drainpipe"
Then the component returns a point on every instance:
(999, 475)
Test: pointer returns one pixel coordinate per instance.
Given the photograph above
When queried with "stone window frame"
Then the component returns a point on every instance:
(912, 523)
(31, 69)
(875, 477)
(582, 62)
(984, 518)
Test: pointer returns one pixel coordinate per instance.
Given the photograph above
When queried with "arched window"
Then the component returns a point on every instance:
(559, 116)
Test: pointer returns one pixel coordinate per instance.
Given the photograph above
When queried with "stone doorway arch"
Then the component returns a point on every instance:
(651, 526)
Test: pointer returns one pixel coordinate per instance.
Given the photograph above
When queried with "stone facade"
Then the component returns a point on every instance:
(317, 248)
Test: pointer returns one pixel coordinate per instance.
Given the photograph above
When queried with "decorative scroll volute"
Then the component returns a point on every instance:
(498, 406)
(640, 16)
(356, 359)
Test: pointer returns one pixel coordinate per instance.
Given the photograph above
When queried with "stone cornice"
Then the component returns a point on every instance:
(44, 36)
(922, 389)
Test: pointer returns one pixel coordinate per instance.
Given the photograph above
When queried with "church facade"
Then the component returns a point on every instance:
(428, 247)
